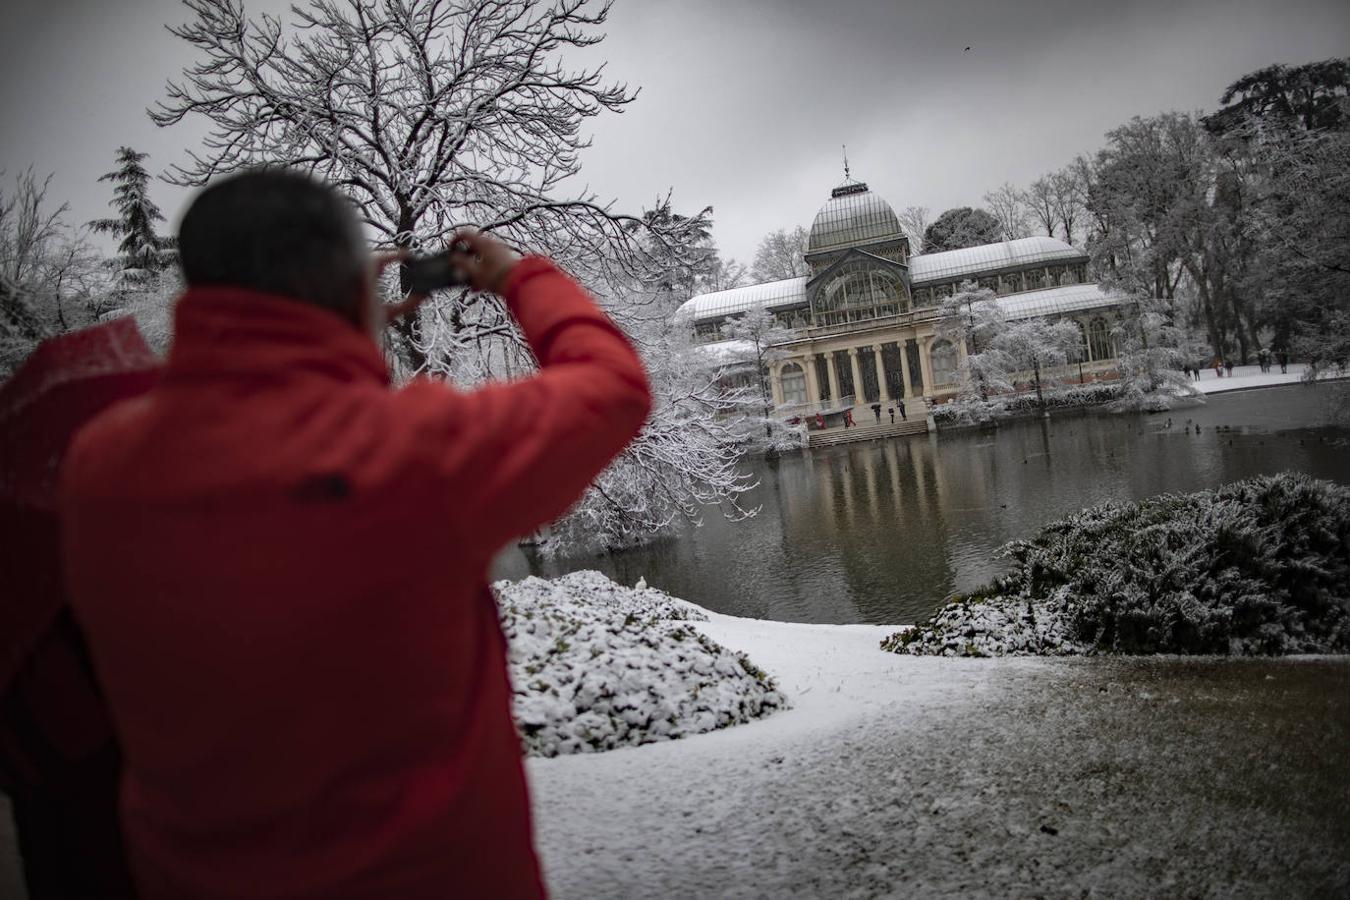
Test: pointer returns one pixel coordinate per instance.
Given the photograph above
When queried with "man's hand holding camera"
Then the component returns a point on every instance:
(475, 259)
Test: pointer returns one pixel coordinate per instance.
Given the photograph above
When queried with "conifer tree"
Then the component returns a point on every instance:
(142, 251)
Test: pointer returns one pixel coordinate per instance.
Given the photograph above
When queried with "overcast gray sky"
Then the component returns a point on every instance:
(744, 103)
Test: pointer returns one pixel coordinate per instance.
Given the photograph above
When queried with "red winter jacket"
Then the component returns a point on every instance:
(281, 566)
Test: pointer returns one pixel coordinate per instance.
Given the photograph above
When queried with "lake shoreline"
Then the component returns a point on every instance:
(886, 531)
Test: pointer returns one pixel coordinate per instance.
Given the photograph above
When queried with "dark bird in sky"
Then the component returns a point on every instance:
(963, 51)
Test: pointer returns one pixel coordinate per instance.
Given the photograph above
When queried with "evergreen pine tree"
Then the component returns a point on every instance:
(142, 251)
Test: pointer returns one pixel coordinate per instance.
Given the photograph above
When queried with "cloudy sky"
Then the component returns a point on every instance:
(745, 103)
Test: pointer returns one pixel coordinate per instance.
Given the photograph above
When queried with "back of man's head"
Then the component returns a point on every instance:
(278, 232)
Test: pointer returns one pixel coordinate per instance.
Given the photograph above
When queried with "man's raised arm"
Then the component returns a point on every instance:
(517, 455)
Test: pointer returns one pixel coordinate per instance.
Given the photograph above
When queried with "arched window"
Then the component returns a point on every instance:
(857, 292)
(1099, 340)
(943, 357)
(793, 380)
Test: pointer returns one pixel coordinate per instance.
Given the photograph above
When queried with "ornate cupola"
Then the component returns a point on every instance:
(858, 256)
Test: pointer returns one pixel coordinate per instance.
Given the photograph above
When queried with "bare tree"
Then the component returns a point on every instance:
(724, 274)
(782, 254)
(29, 230)
(430, 115)
(1040, 201)
(914, 220)
(1095, 224)
(1006, 204)
(48, 274)
(433, 114)
(1068, 195)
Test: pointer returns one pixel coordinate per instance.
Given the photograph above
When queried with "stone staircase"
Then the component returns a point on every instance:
(869, 430)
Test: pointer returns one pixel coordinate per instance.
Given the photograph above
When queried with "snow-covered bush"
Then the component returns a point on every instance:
(973, 411)
(1260, 566)
(596, 665)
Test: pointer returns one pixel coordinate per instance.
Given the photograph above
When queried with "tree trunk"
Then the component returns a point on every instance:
(407, 327)
(764, 391)
(1207, 306)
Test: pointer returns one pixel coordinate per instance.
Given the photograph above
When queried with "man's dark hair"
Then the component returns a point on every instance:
(278, 232)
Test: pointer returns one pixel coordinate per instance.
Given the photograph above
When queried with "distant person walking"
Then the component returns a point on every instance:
(1228, 365)
(1284, 363)
(848, 418)
(820, 422)
(1218, 367)
(891, 410)
(876, 411)
(900, 404)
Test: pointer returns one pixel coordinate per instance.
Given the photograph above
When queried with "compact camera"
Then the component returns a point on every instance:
(435, 272)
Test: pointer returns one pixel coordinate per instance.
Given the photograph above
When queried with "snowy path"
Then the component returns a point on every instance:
(1247, 377)
(906, 776)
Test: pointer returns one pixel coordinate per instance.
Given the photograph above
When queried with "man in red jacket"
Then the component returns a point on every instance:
(280, 561)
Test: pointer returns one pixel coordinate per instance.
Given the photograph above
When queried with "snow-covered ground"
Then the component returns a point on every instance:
(903, 776)
(1245, 377)
(912, 776)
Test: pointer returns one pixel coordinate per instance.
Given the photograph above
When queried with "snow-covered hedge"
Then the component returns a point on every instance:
(973, 411)
(1260, 566)
(596, 665)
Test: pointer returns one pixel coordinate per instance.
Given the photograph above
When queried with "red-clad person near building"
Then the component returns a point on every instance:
(280, 562)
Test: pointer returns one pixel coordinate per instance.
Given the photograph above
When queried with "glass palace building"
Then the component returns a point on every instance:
(864, 321)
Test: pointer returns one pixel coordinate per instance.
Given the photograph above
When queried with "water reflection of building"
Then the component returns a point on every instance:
(864, 320)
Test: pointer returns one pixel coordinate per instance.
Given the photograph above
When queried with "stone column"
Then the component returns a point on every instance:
(904, 367)
(926, 365)
(812, 385)
(859, 395)
(776, 384)
(833, 376)
(883, 395)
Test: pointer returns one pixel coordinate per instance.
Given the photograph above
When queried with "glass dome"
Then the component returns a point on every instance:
(853, 215)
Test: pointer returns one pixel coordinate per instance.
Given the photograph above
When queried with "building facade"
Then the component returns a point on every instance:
(864, 323)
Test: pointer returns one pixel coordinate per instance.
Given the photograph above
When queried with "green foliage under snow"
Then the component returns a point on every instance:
(1260, 566)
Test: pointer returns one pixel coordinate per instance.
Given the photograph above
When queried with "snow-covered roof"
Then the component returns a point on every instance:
(928, 267)
(1057, 301)
(852, 215)
(989, 257)
(1028, 305)
(770, 295)
(728, 352)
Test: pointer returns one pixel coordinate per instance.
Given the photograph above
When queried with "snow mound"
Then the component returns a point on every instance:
(1260, 566)
(596, 665)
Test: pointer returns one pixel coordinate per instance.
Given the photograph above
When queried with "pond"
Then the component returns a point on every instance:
(883, 532)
